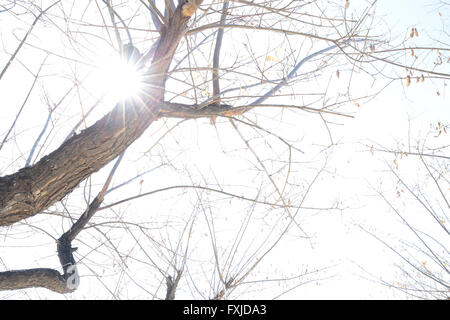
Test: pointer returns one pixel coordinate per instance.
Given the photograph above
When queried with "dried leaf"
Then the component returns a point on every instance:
(347, 4)
(408, 81)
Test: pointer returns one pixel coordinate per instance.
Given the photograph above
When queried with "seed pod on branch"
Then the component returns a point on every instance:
(189, 7)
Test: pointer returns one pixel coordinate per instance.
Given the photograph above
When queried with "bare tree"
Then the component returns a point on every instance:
(253, 69)
(417, 194)
(420, 201)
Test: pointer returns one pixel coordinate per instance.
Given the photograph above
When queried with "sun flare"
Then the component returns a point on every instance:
(119, 79)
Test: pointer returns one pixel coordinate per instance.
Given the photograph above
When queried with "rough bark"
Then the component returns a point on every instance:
(186, 111)
(41, 277)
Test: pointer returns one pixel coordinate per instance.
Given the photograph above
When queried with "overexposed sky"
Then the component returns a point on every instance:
(197, 152)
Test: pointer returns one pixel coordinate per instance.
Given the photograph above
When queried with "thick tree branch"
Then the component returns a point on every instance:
(40, 277)
(187, 111)
(216, 57)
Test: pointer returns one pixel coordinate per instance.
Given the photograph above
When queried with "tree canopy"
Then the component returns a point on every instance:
(171, 147)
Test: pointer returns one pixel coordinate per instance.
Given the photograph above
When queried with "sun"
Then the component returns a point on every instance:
(120, 79)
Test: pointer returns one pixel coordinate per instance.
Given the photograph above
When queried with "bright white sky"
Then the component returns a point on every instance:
(384, 120)
(338, 244)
